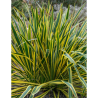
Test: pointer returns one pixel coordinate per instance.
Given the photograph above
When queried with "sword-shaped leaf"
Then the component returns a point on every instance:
(26, 91)
(84, 68)
(35, 90)
(71, 87)
(43, 94)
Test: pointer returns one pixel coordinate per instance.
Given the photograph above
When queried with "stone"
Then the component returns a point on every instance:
(64, 8)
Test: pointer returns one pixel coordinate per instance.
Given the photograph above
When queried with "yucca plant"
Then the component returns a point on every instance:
(47, 54)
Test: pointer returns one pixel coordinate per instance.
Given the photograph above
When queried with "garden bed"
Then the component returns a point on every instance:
(50, 95)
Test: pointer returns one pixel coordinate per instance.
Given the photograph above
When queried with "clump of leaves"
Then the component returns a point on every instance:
(48, 54)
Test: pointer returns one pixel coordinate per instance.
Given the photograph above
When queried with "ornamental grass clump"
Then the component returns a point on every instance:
(47, 54)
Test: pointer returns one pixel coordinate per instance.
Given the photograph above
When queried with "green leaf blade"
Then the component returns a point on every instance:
(26, 91)
(71, 87)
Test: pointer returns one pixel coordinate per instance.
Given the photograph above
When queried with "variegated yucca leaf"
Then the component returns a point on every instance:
(48, 54)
